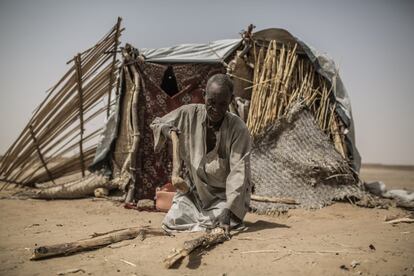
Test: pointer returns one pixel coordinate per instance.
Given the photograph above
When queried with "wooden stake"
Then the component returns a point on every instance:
(135, 128)
(111, 80)
(40, 153)
(78, 63)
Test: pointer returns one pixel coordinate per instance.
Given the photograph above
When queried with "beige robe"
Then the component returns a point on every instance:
(218, 179)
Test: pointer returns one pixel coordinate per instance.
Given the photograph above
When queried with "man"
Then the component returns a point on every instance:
(215, 147)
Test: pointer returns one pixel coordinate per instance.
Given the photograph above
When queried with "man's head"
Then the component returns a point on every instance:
(219, 94)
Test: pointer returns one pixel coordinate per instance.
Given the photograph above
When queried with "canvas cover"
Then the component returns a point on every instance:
(212, 52)
(326, 67)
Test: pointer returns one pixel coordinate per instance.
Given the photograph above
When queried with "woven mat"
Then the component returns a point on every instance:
(295, 159)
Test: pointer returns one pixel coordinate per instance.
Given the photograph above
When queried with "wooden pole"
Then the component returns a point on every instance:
(78, 62)
(32, 134)
(281, 200)
(111, 78)
(136, 133)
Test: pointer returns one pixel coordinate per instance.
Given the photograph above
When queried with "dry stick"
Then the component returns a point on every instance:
(252, 109)
(282, 200)
(401, 220)
(39, 153)
(206, 240)
(118, 26)
(265, 74)
(271, 85)
(336, 137)
(43, 252)
(81, 129)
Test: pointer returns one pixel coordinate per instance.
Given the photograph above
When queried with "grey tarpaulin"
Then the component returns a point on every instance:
(326, 67)
(107, 137)
(213, 52)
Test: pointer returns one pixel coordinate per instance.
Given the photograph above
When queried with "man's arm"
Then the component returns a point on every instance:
(168, 127)
(176, 179)
(238, 180)
(162, 127)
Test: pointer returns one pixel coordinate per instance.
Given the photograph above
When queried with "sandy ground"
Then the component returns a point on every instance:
(298, 243)
(394, 177)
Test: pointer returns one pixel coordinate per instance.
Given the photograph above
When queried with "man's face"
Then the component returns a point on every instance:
(217, 101)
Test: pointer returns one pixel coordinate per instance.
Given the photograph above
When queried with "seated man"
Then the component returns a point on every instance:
(215, 147)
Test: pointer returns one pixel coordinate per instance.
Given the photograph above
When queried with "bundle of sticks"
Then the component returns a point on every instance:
(281, 80)
(58, 140)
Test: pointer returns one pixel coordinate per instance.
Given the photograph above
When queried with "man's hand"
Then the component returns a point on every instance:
(224, 220)
(179, 184)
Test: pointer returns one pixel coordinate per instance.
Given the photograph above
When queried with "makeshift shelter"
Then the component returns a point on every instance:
(272, 71)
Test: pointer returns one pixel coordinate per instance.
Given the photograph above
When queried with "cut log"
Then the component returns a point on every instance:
(43, 252)
(81, 188)
(282, 200)
(206, 240)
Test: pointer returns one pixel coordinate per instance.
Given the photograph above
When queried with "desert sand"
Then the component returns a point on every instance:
(341, 239)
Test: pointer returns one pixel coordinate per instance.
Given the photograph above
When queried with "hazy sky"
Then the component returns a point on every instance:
(371, 41)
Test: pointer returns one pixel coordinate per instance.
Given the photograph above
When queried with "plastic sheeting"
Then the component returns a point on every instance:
(325, 66)
(213, 52)
(106, 140)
